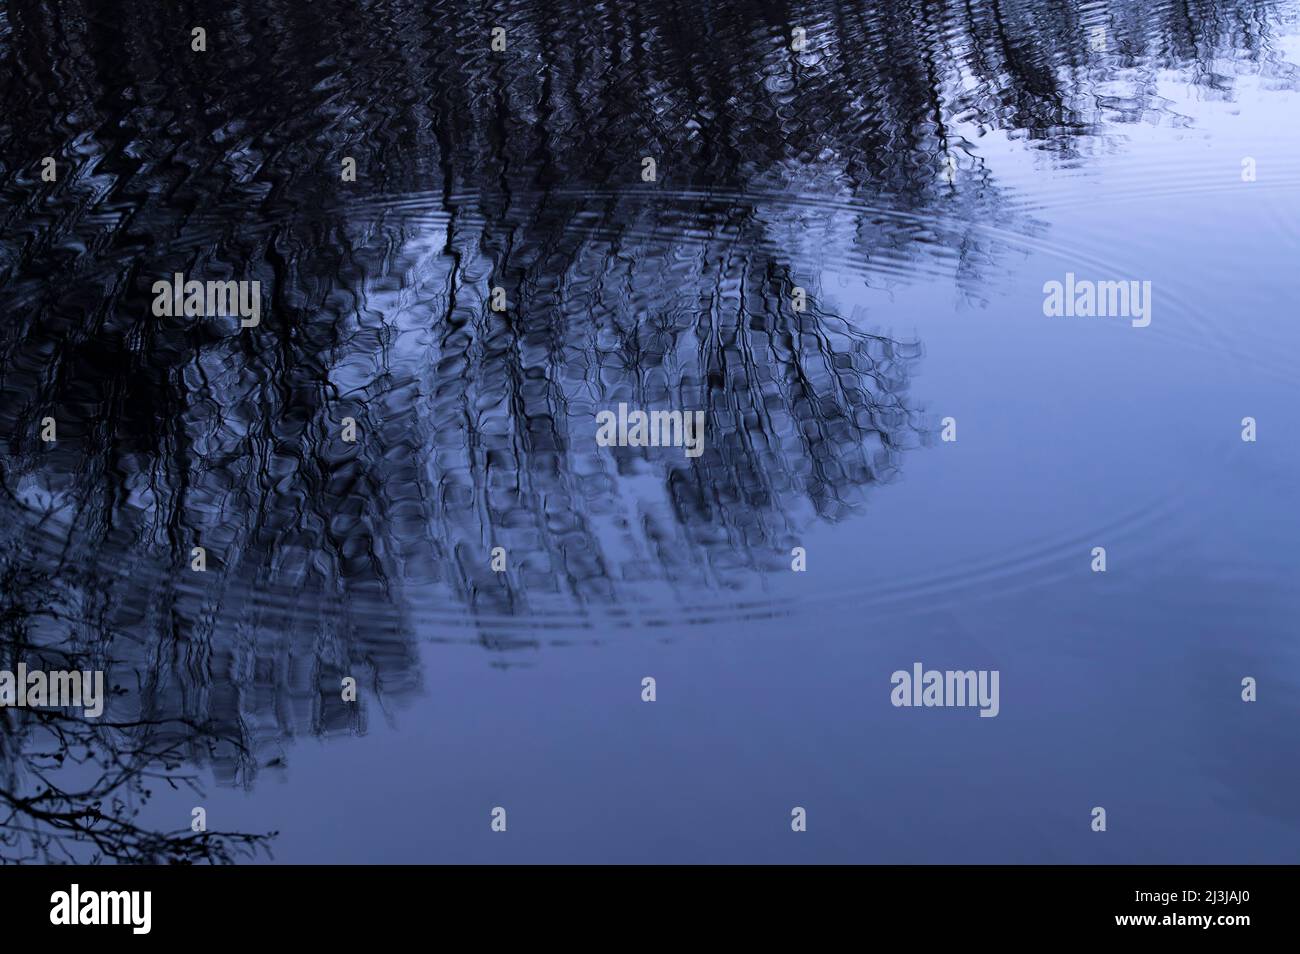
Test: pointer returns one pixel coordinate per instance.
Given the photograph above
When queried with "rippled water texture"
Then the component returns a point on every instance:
(918, 170)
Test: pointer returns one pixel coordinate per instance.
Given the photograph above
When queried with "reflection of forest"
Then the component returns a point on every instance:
(475, 428)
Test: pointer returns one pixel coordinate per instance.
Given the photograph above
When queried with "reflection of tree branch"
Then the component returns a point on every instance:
(33, 833)
(72, 788)
(97, 822)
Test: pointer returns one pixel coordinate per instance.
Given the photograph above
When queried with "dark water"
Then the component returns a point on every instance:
(919, 169)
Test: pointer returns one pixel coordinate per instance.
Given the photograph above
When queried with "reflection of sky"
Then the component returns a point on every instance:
(1120, 691)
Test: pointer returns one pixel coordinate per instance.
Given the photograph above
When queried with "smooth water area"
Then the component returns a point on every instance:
(921, 170)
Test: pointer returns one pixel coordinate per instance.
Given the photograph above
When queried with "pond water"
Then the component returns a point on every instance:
(841, 261)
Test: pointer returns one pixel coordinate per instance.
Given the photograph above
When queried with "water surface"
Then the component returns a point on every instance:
(919, 169)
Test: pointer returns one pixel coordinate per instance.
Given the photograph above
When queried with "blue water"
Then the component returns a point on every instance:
(522, 690)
